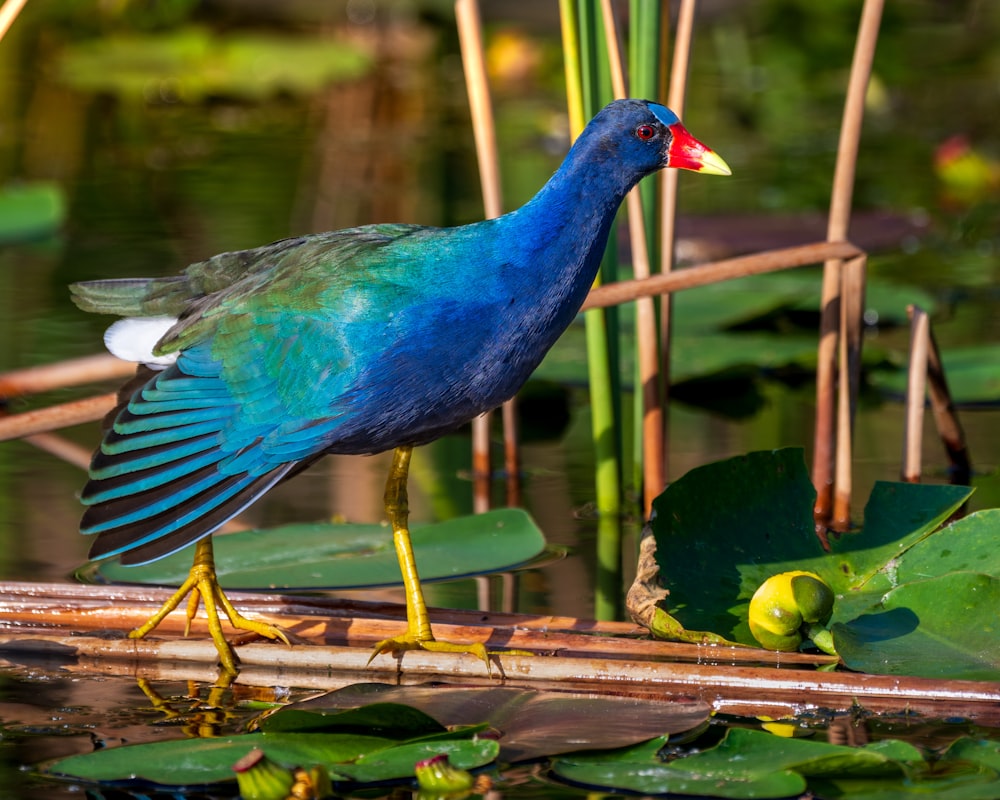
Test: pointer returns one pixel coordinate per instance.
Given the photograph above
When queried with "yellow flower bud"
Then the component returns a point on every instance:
(787, 607)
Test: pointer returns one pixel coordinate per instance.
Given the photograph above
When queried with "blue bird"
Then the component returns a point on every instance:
(259, 362)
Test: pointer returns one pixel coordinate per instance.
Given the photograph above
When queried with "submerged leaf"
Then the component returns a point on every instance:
(533, 724)
(390, 720)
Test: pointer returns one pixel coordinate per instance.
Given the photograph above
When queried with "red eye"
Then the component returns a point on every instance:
(645, 132)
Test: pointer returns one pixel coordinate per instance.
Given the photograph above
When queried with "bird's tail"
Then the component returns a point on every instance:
(172, 296)
(131, 297)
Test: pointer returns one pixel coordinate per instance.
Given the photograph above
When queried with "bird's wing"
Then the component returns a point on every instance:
(176, 463)
(267, 372)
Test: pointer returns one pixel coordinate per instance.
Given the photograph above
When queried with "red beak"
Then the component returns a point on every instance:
(686, 152)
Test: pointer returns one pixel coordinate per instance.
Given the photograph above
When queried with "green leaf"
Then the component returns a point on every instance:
(734, 524)
(397, 762)
(723, 529)
(746, 764)
(978, 751)
(30, 211)
(191, 762)
(897, 516)
(670, 779)
(191, 63)
(196, 762)
(951, 782)
(967, 545)
(943, 627)
(331, 556)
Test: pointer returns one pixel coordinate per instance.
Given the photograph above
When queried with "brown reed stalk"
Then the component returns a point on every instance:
(59, 375)
(946, 417)
(852, 309)
(669, 180)
(916, 394)
(716, 271)
(8, 13)
(27, 423)
(824, 450)
(470, 34)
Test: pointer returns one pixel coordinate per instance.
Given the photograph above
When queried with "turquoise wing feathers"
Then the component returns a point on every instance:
(266, 374)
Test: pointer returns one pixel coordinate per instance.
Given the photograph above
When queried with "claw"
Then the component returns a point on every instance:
(202, 585)
(418, 634)
(398, 644)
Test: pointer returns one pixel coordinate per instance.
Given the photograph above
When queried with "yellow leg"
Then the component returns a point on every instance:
(203, 585)
(418, 634)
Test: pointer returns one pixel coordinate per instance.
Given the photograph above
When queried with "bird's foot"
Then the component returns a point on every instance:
(407, 641)
(203, 586)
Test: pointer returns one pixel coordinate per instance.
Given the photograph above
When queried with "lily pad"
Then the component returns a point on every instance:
(909, 600)
(941, 627)
(30, 211)
(342, 556)
(746, 764)
(192, 63)
(345, 746)
(533, 724)
(199, 762)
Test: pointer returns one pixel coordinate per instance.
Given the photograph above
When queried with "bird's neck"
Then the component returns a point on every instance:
(566, 225)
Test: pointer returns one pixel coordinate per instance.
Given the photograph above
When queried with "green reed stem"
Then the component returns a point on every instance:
(587, 89)
(645, 66)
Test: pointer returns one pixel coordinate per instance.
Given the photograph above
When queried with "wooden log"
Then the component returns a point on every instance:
(731, 688)
(330, 621)
(38, 623)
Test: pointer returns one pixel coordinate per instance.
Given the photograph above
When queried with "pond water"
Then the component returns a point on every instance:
(157, 167)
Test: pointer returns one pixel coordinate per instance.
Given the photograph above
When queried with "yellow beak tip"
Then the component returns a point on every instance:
(712, 164)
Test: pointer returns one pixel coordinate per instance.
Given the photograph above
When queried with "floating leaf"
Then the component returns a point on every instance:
(191, 63)
(943, 627)
(193, 762)
(30, 211)
(533, 724)
(399, 762)
(968, 770)
(723, 529)
(347, 754)
(333, 556)
(746, 764)
(702, 348)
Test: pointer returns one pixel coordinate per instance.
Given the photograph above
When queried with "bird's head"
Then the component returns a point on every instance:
(651, 136)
